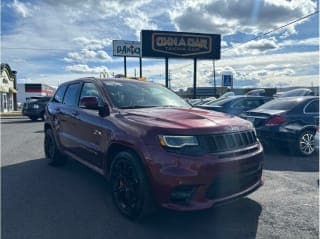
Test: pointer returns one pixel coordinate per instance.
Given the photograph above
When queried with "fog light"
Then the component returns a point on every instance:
(183, 194)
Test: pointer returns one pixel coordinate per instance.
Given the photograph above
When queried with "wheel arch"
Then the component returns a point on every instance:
(117, 147)
(308, 127)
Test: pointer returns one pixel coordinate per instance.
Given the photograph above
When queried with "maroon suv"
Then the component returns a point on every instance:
(153, 147)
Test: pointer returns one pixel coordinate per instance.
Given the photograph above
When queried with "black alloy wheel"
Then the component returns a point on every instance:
(130, 189)
(306, 143)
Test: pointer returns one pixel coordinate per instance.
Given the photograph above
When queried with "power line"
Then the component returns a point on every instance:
(259, 36)
(183, 66)
(267, 33)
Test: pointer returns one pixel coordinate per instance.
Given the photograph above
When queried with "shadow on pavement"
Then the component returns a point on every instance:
(40, 201)
(281, 159)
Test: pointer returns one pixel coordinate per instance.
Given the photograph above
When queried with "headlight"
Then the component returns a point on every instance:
(35, 106)
(177, 141)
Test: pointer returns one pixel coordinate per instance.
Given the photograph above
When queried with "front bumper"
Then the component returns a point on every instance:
(207, 180)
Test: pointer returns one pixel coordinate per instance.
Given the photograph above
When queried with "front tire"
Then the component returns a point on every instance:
(56, 158)
(305, 144)
(130, 187)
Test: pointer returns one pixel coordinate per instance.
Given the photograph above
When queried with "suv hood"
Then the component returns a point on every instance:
(183, 118)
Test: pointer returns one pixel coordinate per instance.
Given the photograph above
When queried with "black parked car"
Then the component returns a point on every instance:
(235, 105)
(288, 121)
(35, 107)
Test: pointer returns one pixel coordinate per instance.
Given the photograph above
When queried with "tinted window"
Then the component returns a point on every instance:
(254, 103)
(59, 94)
(239, 104)
(313, 107)
(72, 95)
(135, 95)
(221, 101)
(89, 89)
(280, 104)
(296, 92)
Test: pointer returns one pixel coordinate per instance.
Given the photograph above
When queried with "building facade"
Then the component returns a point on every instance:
(29, 90)
(8, 92)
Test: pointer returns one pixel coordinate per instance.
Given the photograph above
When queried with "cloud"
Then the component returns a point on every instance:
(86, 69)
(303, 42)
(228, 17)
(86, 55)
(253, 47)
(21, 8)
(92, 44)
(137, 21)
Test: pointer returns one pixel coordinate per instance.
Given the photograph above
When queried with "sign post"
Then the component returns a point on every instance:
(127, 49)
(165, 44)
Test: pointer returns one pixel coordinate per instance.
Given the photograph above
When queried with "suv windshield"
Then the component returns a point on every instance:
(129, 94)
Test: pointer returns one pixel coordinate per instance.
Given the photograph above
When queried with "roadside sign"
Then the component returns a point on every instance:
(180, 45)
(227, 80)
(126, 48)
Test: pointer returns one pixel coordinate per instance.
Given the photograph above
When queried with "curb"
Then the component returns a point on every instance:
(10, 114)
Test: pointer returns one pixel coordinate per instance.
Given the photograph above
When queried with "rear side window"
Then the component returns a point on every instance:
(72, 95)
(280, 104)
(58, 96)
(313, 107)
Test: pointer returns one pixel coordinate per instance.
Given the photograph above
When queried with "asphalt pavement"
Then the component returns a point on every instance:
(40, 201)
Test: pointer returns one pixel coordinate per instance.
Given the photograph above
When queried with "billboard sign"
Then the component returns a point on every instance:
(180, 44)
(126, 48)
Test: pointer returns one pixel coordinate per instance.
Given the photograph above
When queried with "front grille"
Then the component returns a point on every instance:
(231, 183)
(230, 141)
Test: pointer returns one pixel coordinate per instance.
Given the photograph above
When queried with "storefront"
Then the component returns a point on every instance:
(7, 89)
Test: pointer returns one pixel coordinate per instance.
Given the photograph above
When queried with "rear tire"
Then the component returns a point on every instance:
(130, 186)
(305, 144)
(56, 158)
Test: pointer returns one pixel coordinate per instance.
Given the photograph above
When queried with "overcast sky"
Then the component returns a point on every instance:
(52, 41)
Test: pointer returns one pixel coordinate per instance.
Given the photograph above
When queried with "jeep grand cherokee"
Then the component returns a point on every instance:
(153, 147)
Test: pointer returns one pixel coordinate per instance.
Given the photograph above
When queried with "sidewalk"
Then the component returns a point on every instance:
(10, 114)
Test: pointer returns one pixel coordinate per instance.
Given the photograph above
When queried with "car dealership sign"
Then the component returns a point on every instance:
(126, 48)
(180, 44)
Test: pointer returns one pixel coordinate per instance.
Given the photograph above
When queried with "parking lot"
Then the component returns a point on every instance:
(40, 201)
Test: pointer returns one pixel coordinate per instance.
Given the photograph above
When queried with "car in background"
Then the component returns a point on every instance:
(153, 146)
(290, 121)
(257, 92)
(235, 105)
(227, 94)
(195, 102)
(295, 92)
(34, 108)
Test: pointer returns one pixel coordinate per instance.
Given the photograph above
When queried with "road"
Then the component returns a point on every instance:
(40, 201)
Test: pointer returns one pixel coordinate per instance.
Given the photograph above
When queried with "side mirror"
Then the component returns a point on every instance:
(89, 102)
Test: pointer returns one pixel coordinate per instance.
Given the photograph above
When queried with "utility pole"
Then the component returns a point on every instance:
(214, 78)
